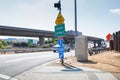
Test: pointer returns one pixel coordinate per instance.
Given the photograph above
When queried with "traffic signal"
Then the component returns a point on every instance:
(57, 5)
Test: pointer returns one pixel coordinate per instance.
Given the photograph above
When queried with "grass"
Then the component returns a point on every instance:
(118, 56)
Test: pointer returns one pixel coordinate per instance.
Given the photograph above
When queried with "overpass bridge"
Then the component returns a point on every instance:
(15, 31)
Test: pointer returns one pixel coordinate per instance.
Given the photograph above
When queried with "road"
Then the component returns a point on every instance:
(14, 64)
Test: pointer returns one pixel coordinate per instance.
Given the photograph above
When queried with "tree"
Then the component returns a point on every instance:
(3, 44)
(55, 40)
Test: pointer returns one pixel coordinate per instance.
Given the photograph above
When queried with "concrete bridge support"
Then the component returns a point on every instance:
(72, 43)
(98, 43)
(41, 40)
(94, 43)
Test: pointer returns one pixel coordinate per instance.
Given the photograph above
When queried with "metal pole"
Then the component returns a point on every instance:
(75, 18)
(75, 4)
(62, 60)
(60, 6)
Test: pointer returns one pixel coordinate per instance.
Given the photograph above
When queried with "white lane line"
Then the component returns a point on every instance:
(21, 59)
(4, 76)
(106, 76)
(13, 79)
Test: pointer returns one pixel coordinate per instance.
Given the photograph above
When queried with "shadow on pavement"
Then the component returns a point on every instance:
(69, 68)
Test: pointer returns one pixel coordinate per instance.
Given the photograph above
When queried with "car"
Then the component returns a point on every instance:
(66, 48)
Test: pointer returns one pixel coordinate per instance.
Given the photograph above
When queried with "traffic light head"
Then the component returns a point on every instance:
(57, 5)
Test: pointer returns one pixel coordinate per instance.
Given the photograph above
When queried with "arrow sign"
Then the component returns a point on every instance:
(60, 19)
(108, 36)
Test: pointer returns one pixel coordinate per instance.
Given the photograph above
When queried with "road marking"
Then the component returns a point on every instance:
(106, 76)
(13, 79)
(90, 76)
(7, 77)
(4, 76)
(18, 59)
(21, 59)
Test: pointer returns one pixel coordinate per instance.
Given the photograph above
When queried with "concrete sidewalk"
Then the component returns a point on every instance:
(67, 72)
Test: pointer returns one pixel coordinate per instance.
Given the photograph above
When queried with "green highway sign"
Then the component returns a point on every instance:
(60, 30)
(30, 41)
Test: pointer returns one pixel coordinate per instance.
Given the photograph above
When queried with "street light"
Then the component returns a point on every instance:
(75, 4)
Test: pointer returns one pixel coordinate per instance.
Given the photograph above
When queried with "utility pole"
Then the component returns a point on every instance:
(75, 4)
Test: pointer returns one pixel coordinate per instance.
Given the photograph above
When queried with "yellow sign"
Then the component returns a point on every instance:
(60, 19)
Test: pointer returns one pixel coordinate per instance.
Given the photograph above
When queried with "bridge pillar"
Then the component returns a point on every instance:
(41, 40)
(99, 43)
(72, 43)
(94, 44)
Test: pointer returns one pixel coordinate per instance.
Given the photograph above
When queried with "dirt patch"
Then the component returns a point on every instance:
(107, 61)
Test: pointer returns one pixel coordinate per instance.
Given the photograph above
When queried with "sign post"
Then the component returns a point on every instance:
(60, 31)
(61, 50)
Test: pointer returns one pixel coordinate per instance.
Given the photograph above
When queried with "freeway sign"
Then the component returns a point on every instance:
(60, 19)
(60, 30)
(30, 41)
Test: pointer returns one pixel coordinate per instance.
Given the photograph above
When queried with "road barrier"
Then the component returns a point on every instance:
(23, 50)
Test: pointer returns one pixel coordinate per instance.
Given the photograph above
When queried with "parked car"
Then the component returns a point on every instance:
(66, 48)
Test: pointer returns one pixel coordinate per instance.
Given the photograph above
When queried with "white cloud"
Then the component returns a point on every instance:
(115, 11)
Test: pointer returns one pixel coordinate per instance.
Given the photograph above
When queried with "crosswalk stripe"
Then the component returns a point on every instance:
(105, 76)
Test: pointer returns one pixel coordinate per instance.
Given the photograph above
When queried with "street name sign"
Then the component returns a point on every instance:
(60, 30)
(60, 19)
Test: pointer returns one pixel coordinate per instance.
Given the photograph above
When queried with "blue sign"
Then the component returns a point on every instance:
(61, 52)
(60, 42)
(61, 49)
(61, 55)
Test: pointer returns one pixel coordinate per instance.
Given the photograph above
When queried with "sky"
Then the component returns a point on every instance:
(95, 18)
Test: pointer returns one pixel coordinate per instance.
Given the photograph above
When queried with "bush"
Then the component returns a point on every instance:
(3, 44)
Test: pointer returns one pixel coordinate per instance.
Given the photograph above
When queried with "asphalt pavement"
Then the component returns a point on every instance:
(14, 64)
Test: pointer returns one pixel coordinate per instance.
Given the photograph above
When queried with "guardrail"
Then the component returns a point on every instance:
(97, 50)
(25, 50)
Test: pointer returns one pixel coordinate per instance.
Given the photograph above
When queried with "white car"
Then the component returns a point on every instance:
(66, 48)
